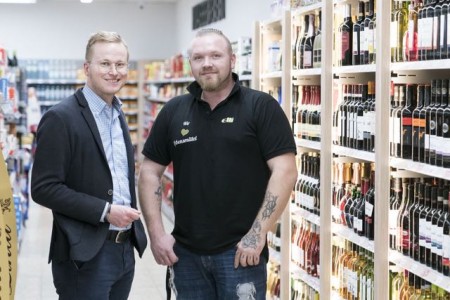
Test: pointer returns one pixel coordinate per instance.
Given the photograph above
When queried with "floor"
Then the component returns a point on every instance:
(34, 278)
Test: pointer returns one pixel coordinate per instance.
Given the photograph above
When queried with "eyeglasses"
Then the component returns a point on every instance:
(106, 66)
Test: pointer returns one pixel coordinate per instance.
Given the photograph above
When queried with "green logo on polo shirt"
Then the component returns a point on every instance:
(184, 131)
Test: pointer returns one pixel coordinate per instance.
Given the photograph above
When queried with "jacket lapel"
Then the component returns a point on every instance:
(89, 117)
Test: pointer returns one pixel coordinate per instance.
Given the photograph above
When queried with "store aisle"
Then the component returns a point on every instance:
(34, 278)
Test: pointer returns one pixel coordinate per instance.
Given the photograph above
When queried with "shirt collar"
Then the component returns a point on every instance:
(97, 104)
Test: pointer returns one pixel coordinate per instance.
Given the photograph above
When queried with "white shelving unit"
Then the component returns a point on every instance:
(382, 73)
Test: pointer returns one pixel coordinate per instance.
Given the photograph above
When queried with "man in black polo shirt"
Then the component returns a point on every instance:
(233, 155)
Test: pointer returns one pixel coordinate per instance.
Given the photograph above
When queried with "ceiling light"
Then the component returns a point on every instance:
(18, 1)
(86, 1)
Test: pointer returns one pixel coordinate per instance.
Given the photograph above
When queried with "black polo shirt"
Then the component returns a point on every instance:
(220, 162)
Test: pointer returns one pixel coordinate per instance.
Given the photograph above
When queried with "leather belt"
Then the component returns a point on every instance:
(118, 237)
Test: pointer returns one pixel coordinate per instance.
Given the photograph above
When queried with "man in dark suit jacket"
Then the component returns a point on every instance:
(84, 172)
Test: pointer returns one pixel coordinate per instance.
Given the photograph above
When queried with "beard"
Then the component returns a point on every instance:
(213, 82)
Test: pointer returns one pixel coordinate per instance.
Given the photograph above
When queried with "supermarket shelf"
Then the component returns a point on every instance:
(306, 72)
(439, 64)
(419, 269)
(363, 155)
(348, 234)
(155, 99)
(54, 81)
(272, 75)
(307, 144)
(170, 80)
(301, 274)
(298, 213)
(307, 9)
(421, 168)
(274, 256)
(355, 69)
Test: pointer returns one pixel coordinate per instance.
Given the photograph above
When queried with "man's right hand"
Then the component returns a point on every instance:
(162, 249)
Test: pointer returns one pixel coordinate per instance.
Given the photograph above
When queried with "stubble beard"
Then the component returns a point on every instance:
(213, 84)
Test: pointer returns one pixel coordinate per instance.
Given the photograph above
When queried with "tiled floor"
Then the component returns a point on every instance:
(34, 278)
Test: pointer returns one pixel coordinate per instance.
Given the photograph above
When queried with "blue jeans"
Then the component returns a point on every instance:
(213, 277)
(108, 276)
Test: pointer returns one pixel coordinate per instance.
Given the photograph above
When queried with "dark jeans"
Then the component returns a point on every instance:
(213, 277)
(107, 276)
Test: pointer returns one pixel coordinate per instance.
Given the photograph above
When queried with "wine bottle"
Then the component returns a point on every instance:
(445, 132)
(437, 30)
(436, 99)
(394, 207)
(372, 37)
(369, 206)
(422, 30)
(301, 44)
(406, 121)
(429, 31)
(423, 118)
(436, 235)
(395, 105)
(369, 117)
(418, 125)
(422, 224)
(440, 229)
(394, 29)
(398, 122)
(345, 36)
(356, 34)
(414, 221)
(429, 227)
(443, 29)
(366, 32)
(317, 49)
(440, 122)
(405, 221)
(295, 58)
(411, 52)
(429, 114)
(309, 43)
(446, 237)
(402, 19)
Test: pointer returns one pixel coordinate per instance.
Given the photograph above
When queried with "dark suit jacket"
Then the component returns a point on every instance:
(71, 176)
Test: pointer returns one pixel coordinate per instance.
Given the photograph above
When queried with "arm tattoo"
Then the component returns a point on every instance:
(270, 201)
(251, 239)
(158, 193)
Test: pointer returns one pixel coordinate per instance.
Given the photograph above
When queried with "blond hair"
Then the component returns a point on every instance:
(103, 37)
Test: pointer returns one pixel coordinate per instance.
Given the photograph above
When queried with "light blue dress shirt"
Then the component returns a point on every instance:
(108, 123)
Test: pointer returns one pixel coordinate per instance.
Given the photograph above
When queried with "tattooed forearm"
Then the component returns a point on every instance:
(158, 193)
(251, 239)
(270, 201)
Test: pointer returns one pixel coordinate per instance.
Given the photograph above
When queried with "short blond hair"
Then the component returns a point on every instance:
(103, 37)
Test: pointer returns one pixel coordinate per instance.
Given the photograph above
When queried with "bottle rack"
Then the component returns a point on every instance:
(382, 72)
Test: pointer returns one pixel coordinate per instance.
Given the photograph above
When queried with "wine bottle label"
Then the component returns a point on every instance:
(405, 239)
(393, 215)
(428, 234)
(446, 250)
(422, 233)
(295, 253)
(368, 207)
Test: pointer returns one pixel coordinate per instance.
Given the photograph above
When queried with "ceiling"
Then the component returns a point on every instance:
(104, 1)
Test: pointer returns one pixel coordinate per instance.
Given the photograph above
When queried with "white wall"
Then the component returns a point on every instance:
(240, 16)
(52, 30)
(58, 30)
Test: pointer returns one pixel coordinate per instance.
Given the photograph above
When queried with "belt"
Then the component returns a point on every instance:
(118, 237)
